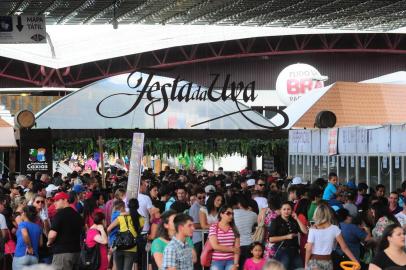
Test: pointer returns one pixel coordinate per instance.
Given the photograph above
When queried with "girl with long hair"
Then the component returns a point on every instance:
(89, 209)
(321, 241)
(382, 218)
(166, 231)
(225, 240)
(391, 250)
(124, 259)
(97, 235)
(209, 215)
(28, 239)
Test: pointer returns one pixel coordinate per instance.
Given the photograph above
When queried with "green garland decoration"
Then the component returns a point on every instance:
(191, 148)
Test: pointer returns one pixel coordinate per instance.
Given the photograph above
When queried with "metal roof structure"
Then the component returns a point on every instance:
(374, 15)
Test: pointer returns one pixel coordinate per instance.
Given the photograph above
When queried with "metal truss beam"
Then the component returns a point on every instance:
(80, 75)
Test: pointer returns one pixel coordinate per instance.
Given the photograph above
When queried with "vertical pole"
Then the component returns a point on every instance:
(367, 172)
(391, 184)
(101, 151)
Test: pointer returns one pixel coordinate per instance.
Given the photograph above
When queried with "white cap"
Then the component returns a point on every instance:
(297, 181)
(209, 189)
(49, 189)
(251, 182)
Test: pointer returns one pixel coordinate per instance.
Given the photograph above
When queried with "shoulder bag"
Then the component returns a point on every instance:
(125, 240)
(207, 252)
(89, 257)
(259, 233)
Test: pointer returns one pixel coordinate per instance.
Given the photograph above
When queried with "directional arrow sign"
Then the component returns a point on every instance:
(22, 29)
(19, 24)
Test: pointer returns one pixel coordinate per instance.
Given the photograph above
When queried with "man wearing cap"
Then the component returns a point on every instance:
(64, 236)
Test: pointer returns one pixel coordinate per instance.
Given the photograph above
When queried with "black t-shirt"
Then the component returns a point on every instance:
(385, 263)
(281, 227)
(69, 225)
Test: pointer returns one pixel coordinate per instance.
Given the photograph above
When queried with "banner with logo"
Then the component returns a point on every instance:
(134, 176)
(36, 152)
(332, 141)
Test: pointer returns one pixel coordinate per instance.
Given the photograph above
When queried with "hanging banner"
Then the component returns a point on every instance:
(315, 141)
(300, 160)
(316, 161)
(397, 162)
(36, 151)
(307, 160)
(134, 175)
(398, 142)
(268, 164)
(347, 140)
(332, 141)
(352, 162)
(362, 140)
(342, 161)
(379, 140)
(384, 162)
(324, 141)
(362, 162)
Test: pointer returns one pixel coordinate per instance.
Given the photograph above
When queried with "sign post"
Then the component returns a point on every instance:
(134, 175)
(22, 29)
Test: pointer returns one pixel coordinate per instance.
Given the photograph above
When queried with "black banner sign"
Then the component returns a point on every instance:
(35, 151)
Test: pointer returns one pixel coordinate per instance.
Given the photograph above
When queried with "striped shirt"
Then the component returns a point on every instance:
(244, 221)
(224, 239)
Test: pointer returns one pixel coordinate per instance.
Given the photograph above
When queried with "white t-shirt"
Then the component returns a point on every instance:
(401, 217)
(210, 218)
(3, 224)
(145, 204)
(323, 240)
(262, 202)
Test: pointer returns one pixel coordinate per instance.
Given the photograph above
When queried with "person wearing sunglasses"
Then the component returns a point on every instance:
(225, 240)
(43, 221)
(28, 239)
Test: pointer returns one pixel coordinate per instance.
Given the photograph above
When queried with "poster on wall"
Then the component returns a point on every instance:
(362, 140)
(324, 141)
(398, 135)
(268, 164)
(347, 140)
(379, 140)
(36, 152)
(332, 141)
(316, 141)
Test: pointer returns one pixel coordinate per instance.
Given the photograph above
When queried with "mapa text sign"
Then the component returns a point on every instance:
(22, 29)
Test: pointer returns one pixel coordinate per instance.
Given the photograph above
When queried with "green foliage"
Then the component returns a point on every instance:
(191, 148)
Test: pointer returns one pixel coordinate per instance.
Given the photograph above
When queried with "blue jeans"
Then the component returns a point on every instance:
(221, 265)
(20, 262)
(289, 257)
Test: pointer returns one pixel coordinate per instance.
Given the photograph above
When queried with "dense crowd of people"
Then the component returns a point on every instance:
(183, 219)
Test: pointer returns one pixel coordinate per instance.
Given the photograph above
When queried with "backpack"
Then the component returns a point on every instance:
(89, 257)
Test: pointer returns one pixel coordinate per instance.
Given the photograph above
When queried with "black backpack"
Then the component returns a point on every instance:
(89, 257)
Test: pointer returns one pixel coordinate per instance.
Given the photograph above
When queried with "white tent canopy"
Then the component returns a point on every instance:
(70, 45)
(78, 110)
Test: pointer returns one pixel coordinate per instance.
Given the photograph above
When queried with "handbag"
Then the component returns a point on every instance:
(90, 258)
(259, 233)
(125, 240)
(207, 252)
(10, 245)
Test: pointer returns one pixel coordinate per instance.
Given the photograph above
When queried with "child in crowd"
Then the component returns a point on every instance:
(257, 261)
